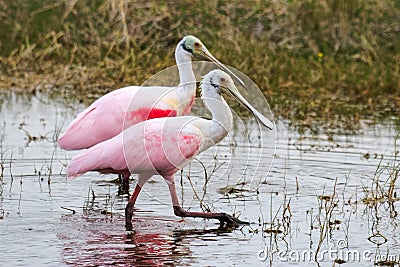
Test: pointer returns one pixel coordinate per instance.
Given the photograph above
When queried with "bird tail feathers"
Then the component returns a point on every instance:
(84, 162)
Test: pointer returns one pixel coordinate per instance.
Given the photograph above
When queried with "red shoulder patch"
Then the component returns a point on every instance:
(160, 113)
(143, 114)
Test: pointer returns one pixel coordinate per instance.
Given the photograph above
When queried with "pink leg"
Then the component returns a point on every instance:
(132, 200)
(221, 216)
(129, 208)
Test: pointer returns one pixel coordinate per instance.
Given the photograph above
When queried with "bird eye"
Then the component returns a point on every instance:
(196, 44)
(222, 79)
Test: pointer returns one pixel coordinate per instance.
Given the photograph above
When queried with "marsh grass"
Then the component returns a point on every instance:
(2, 165)
(385, 182)
(332, 218)
(88, 207)
(380, 198)
(314, 60)
(109, 203)
(2, 158)
(200, 193)
(327, 205)
(95, 205)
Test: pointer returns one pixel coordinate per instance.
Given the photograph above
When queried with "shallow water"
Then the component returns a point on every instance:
(36, 230)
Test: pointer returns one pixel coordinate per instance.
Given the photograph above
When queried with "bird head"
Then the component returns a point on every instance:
(218, 79)
(192, 45)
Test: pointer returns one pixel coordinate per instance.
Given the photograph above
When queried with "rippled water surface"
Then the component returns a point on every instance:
(323, 191)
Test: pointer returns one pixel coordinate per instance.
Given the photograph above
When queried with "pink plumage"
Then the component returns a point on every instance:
(165, 145)
(112, 113)
(148, 147)
(116, 111)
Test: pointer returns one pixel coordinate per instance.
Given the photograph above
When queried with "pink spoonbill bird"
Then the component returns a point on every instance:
(119, 109)
(165, 145)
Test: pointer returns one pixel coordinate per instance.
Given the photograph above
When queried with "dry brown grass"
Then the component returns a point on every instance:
(336, 61)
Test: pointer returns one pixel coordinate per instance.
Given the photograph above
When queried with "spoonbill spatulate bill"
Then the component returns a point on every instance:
(119, 109)
(162, 146)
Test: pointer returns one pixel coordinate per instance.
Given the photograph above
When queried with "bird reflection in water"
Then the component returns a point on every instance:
(99, 241)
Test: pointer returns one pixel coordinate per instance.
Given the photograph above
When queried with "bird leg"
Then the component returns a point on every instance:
(130, 206)
(124, 187)
(142, 179)
(223, 217)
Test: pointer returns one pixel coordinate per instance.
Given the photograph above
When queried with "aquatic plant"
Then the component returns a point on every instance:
(383, 184)
(314, 60)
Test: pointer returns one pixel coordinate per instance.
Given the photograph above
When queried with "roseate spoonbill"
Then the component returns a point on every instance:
(165, 145)
(119, 109)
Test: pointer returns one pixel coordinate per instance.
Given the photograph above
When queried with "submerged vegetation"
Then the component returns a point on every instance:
(314, 60)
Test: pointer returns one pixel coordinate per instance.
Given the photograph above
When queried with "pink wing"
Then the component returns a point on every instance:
(108, 116)
(147, 147)
(166, 146)
(103, 156)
